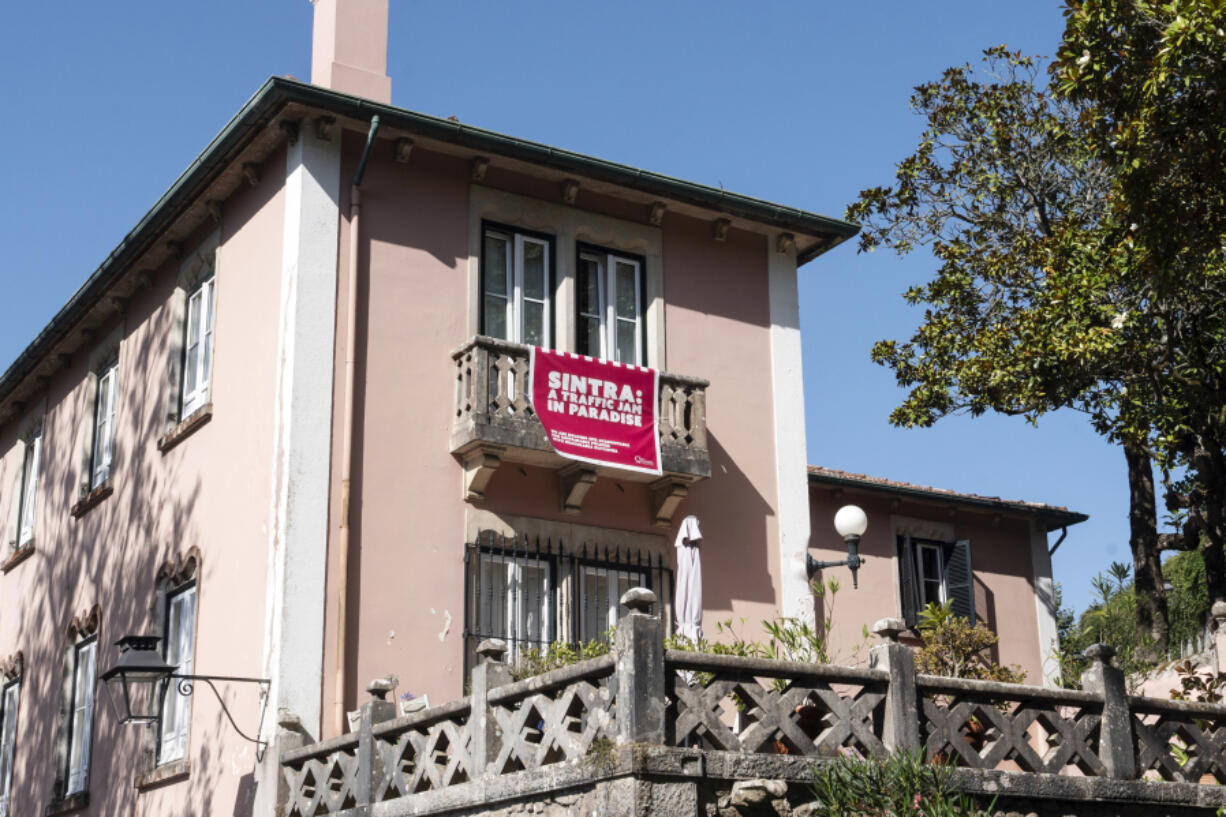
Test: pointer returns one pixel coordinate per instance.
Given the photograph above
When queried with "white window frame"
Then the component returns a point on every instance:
(613, 611)
(196, 394)
(921, 579)
(103, 449)
(27, 496)
(606, 263)
(10, 702)
(515, 298)
(514, 607)
(178, 646)
(81, 714)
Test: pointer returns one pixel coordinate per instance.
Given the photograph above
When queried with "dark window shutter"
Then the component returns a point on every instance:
(906, 576)
(959, 579)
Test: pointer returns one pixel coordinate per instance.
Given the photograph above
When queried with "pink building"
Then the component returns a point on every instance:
(282, 426)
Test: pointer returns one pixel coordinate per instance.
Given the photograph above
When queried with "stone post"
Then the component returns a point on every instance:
(900, 732)
(491, 672)
(291, 734)
(370, 762)
(639, 647)
(1218, 611)
(1116, 745)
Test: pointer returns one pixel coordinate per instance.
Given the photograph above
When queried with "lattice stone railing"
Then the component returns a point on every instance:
(728, 706)
(1179, 741)
(985, 725)
(322, 778)
(774, 707)
(423, 751)
(554, 717)
(493, 380)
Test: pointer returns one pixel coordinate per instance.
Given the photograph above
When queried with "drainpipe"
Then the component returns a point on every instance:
(351, 338)
(1060, 541)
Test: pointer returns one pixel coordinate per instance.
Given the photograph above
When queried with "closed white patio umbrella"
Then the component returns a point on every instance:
(688, 599)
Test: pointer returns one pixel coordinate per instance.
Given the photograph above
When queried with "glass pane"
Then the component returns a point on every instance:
(589, 286)
(495, 317)
(495, 273)
(534, 323)
(491, 599)
(627, 300)
(589, 337)
(534, 270)
(627, 342)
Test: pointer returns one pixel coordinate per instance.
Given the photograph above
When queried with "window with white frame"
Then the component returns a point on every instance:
(103, 449)
(935, 572)
(514, 599)
(28, 491)
(517, 286)
(9, 700)
(179, 629)
(81, 714)
(600, 591)
(609, 306)
(197, 347)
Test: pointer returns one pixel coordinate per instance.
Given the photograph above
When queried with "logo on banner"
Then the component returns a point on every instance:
(597, 411)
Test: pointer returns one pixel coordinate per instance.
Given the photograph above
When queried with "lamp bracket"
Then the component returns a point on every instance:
(186, 686)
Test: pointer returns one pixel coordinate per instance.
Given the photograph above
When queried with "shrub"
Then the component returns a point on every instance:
(956, 649)
(894, 786)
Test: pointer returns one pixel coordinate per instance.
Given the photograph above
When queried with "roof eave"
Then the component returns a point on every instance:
(1054, 517)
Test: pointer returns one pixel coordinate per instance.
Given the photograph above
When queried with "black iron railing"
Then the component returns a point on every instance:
(534, 591)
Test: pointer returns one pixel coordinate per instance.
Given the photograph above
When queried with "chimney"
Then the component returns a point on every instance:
(349, 48)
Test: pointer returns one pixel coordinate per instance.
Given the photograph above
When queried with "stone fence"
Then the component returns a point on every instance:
(649, 730)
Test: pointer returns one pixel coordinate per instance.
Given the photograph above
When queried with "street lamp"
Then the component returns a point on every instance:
(138, 683)
(851, 523)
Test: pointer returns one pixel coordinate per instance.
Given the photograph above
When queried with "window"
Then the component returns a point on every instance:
(609, 305)
(28, 491)
(81, 714)
(9, 701)
(104, 424)
(600, 592)
(514, 595)
(197, 347)
(935, 572)
(178, 643)
(531, 591)
(517, 286)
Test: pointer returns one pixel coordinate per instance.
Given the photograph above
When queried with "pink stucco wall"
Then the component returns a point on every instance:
(210, 492)
(1000, 555)
(406, 602)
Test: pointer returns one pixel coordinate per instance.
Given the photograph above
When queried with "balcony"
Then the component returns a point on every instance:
(494, 423)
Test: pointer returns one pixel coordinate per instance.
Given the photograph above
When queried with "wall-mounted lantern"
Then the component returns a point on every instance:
(138, 683)
(851, 523)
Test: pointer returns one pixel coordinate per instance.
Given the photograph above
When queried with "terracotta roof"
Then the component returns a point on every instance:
(1054, 513)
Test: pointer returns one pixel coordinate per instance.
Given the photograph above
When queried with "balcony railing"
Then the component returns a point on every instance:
(691, 715)
(494, 418)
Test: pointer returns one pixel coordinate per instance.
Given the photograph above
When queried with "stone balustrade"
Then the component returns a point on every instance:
(494, 421)
(684, 720)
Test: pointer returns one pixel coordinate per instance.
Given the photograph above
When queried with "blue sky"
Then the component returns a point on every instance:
(803, 103)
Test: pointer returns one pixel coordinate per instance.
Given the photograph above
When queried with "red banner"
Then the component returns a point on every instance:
(597, 411)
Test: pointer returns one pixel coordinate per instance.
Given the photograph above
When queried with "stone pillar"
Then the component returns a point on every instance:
(1116, 745)
(291, 734)
(491, 672)
(639, 648)
(1218, 611)
(370, 762)
(901, 728)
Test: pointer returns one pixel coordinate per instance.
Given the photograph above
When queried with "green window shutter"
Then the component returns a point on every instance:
(906, 576)
(959, 579)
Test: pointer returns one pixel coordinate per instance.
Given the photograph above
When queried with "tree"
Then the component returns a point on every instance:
(1152, 78)
(1026, 311)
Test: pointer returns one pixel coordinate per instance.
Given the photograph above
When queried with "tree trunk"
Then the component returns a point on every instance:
(1210, 468)
(1152, 617)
